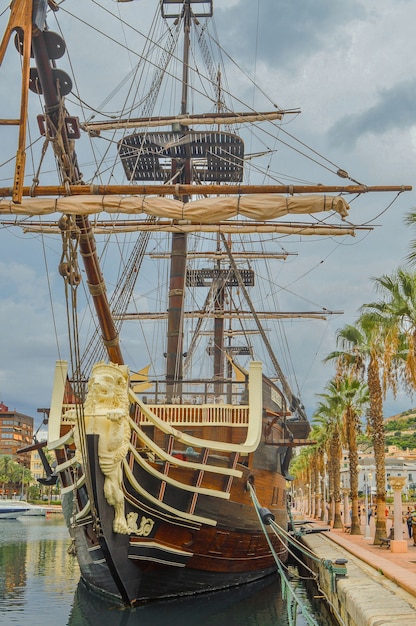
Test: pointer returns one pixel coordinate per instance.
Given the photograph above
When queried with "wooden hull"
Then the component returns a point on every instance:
(179, 557)
(162, 500)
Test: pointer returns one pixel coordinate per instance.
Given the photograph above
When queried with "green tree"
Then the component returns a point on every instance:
(394, 314)
(326, 419)
(3, 482)
(301, 469)
(6, 462)
(395, 311)
(363, 356)
(349, 398)
(13, 475)
(318, 434)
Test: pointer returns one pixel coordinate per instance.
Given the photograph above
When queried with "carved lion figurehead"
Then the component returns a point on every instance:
(108, 387)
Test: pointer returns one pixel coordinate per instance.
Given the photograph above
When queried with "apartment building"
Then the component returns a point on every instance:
(16, 432)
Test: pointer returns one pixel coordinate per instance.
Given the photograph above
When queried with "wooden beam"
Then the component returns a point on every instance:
(204, 190)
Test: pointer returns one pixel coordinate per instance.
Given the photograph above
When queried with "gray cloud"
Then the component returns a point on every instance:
(395, 108)
(288, 35)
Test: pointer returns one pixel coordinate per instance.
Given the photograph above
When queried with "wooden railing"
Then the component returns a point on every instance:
(204, 414)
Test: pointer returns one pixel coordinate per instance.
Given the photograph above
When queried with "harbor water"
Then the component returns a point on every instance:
(40, 585)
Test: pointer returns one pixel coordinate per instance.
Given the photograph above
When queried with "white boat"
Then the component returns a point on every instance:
(11, 509)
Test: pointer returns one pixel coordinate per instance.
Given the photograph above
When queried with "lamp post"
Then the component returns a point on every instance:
(345, 494)
(367, 534)
(325, 515)
(367, 476)
(370, 478)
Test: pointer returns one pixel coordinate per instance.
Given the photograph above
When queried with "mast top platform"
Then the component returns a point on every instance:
(216, 156)
(206, 10)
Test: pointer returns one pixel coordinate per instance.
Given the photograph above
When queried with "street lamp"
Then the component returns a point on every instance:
(367, 519)
(325, 515)
(367, 516)
(367, 476)
(309, 499)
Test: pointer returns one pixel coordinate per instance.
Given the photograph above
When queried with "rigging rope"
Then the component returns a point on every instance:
(69, 270)
(283, 381)
(221, 51)
(265, 517)
(288, 592)
(120, 298)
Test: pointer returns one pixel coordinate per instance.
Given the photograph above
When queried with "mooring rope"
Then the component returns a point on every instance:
(288, 593)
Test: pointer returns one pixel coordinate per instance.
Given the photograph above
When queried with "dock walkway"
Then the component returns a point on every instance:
(380, 586)
(398, 567)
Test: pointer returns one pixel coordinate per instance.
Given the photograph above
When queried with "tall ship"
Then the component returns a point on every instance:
(169, 406)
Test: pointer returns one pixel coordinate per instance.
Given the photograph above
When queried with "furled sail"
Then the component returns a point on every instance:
(207, 210)
(185, 120)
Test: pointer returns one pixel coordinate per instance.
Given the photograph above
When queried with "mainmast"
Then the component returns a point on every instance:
(178, 276)
(174, 355)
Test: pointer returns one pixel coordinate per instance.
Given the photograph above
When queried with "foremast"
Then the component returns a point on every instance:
(178, 266)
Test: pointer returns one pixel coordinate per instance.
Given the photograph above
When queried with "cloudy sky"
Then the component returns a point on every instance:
(350, 67)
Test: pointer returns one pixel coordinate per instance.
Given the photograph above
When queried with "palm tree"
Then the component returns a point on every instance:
(6, 463)
(327, 418)
(318, 435)
(3, 481)
(410, 220)
(312, 455)
(395, 314)
(363, 355)
(396, 311)
(20, 476)
(300, 468)
(351, 396)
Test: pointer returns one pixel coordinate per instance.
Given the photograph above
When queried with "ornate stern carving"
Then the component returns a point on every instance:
(106, 413)
(145, 528)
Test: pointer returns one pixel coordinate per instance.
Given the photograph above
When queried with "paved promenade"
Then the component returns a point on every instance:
(398, 567)
(380, 586)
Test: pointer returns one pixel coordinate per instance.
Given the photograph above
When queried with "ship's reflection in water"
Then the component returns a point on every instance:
(39, 584)
(257, 604)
